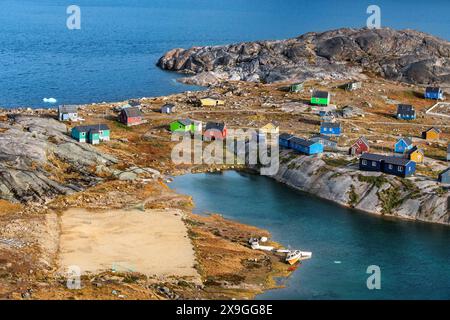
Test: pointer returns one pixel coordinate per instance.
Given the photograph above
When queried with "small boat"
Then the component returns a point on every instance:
(294, 256)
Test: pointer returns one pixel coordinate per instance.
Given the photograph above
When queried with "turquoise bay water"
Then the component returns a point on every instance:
(414, 257)
(113, 56)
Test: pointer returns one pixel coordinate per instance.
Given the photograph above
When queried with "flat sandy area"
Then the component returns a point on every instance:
(154, 242)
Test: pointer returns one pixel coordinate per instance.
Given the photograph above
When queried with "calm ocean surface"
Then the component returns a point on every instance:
(413, 257)
(113, 56)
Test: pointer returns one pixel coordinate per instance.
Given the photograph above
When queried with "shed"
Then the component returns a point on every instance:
(68, 113)
(93, 134)
(431, 134)
(353, 85)
(434, 93)
(331, 128)
(131, 116)
(403, 144)
(406, 112)
(296, 87)
(168, 108)
(444, 176)
(321, 98)
(359, 147)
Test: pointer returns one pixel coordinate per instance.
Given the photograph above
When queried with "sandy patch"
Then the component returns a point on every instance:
(154, 242)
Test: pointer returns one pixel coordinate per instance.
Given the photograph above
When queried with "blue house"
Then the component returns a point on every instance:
(403, 144)
(444, 176)
(434, 93)
(399, 166)
(326, 141)
(406, 112)
(284, 140)
(305, 146)
(391, 165)
(371, 162)
(331, 128)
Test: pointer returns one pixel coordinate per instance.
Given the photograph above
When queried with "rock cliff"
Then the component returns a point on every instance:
(408, 56)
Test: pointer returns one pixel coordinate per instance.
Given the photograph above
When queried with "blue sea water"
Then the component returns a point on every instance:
(413, 257)
(113, 56)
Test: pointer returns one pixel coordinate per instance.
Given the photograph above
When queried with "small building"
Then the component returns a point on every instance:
(182, 125)
(131, 116)
(444, 176)
(402, 145)
(211, 102)
(215, 131)
(371, 162)
(431, 134)
(327, 142)
(321, 98)
(448, 152)
(134, 103)
(359, 147)
(352, 86)
(296, 87)
(415, 154)
(331, 128)
(305, 146)
(197, 126)
(93, 134)
(434, 93)
(168, 108)
(269, 128)
(399, 166)
(284, 140)
(406, 112)
(68, 113)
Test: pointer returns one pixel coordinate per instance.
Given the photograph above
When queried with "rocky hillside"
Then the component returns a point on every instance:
(407, 56)
(38, 160)
(416, 198)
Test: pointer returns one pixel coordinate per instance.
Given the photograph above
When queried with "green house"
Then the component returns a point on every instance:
(92, 134)
(321, 98)
(184, 125)
(296, 87)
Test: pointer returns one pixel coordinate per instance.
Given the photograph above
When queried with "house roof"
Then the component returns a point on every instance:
(215, 126)
(396, 161)
(414, 149)
(363, 139)
(269, 125)
(320, 94)
(433, 89)
(405, 109)
(92, 127)
(132, 112)
(68, 109)
(330, 124)
(302, 142)
(437, 130)
(286, 136)
(323, 137)
(372, 157)
(185, 122)
(408, 141)
(445, 172)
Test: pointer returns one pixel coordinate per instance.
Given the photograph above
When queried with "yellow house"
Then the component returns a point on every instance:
(416, 155)
(431, 134)
(211, 102)
(269, 128)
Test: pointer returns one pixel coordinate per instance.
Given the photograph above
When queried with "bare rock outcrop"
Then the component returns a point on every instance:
(407, 55)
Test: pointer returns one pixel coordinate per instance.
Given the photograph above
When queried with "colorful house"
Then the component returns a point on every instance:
(183, 125)
(67, 113)
(93, 134)
(269, 128)
(434, 93)
(359, 147)
(431, 134)
(406, 112)
(215, 131)
(415, 154)
(131, 116)
(211, 102)
(296, 87)
(352, 86)
(403, 144)
(444, 176)
(331, 128)
(321, 98)
(305, 146)
(284, 140)
(168, 108)
(327, 142)
(387, 164)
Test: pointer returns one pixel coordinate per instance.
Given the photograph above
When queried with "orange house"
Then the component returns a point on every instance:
(415, 154)
(431, 134)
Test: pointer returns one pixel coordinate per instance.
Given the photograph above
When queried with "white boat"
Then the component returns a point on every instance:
(294, 256)
(254, 243)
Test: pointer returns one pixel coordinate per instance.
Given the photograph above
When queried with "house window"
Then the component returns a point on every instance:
(390, 167)
(374, 163)
(400, 169)
(364, 162)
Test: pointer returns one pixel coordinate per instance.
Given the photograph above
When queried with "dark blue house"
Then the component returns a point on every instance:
(434, 93)
(305, 146)
(391, 165)
(331, 128)
(406, 112)
(284, 140)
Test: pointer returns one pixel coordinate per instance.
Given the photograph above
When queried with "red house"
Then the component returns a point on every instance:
(359, 147)
(215, 131)
(131, 116)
